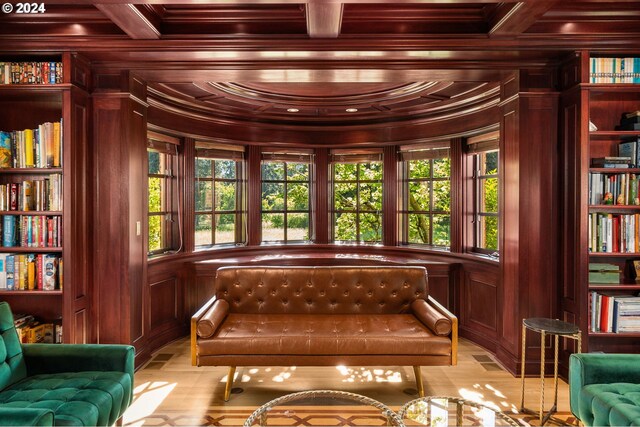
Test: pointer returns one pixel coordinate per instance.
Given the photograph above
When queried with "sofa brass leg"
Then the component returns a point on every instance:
(119, 421)
(227, 389)
(418, 374)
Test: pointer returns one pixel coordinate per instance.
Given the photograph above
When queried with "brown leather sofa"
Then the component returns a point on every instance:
(323, 316)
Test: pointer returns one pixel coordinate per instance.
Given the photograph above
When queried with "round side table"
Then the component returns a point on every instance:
(557, 328)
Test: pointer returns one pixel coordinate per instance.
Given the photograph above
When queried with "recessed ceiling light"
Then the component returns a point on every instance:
(292, 110)
(351, 110)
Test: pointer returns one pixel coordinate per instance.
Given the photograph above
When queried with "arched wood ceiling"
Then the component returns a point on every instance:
(329, 103)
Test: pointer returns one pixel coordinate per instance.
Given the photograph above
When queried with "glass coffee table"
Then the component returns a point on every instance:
(294, 409)
(441, 411)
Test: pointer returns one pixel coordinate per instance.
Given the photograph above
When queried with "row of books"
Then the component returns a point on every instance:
(29, 272)
(614, 313)
(30, 72)
(32, 195)
(613, 189)
(31, 231)
(32, 148)
(32, 331)
(614, 70)
(614, 233)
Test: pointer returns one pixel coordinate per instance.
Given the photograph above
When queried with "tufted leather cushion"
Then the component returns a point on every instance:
(337, 334)
(614, 404)
(320, 290)
(78, 398)
(12, 366)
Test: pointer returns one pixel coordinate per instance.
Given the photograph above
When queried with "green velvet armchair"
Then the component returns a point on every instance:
(62, 384)
(605, 388)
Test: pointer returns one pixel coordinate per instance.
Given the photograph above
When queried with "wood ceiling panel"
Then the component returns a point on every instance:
(413, 19)
(233, 19)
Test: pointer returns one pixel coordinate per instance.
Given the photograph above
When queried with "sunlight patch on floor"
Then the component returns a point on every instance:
(147, 398)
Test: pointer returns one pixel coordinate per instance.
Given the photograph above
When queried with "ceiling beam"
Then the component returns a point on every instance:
(513, 19)
(324, 19)
(130, 20)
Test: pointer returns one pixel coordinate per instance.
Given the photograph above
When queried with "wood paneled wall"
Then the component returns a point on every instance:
(120, 223)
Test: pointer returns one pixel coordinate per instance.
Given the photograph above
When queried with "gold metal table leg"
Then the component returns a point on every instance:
(524, 349)
(542, 361)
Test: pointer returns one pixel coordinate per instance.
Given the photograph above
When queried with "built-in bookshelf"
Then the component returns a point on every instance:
(38, 174)
(611, 316)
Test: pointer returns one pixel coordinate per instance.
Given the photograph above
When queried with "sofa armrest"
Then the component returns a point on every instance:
(12, 416)
(439, 320)
(600, 368)
(208, 318)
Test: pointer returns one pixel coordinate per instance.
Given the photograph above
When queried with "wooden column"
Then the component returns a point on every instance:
(528, 202)
(321, 195)
(390, 204)
(254, 195)
(120, 258)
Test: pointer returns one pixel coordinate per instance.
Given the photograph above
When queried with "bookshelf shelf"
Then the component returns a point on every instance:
(32, 292)
(614, 334)
(611, 87)
(34, 213)
(21, 250)
(614, 171)
(613, 133)
(614, 254)
(608, 208)
(45, 171)
(619, 287)
(34, 87)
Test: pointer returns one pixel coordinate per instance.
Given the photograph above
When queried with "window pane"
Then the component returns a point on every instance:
(489, 196)
(370, 227)
(298, 226)
(345, 171)
(225, 169)
(489, 232)
(371, 197)
(442, 168)
(155, 194)
(441, 196)
(345, 196)
(225, 196)
(298, 171)
(419, 196)
(155, 232)
(297, 197)
(371, 171)
(272, 196)
(273, 171)
(203, 230)
(419, 169)
(204, 196)
(154, 163)
(489, 163)
(203, 168)
(272, 227)
(345, 226)
(419, 225)
(225, 228)
(441, 230)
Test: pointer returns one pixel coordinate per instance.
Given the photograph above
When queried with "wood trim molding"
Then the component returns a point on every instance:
(130, 20)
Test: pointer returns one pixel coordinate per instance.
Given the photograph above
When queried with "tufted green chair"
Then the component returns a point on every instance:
(605, 388)
(62, 384)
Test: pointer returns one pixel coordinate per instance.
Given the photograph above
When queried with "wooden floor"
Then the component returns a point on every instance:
(169, 384)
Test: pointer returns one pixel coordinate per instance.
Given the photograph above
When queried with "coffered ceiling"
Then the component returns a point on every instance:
(321, 57)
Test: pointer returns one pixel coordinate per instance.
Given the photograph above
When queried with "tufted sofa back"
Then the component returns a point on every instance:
(12, 366)
(321, 290)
